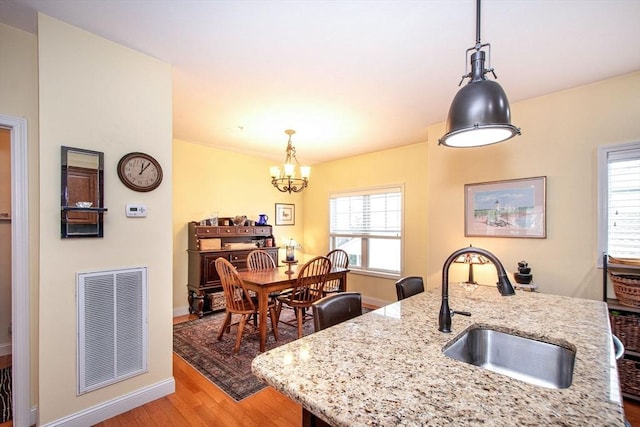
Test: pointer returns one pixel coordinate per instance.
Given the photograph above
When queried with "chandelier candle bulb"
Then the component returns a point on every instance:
(305, 171)
(288, 170)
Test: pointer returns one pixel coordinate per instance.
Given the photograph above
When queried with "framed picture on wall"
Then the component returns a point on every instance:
(510, 208)
(285, 214)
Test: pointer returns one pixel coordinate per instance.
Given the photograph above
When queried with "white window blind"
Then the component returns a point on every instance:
(368, 225)
(619, 201)
(623, 203)
(374, 214)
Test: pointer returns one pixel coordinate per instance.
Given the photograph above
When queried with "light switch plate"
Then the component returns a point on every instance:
(135, 210)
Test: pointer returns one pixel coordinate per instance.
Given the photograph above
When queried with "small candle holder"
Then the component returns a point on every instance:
(289, 264)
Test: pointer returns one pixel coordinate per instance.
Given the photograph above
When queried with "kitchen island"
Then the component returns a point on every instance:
(387, 368)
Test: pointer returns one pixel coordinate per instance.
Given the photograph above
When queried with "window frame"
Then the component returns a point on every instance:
(365, 269)
(603, 193)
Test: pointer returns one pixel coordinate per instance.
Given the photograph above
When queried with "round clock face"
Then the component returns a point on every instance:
(140, 172)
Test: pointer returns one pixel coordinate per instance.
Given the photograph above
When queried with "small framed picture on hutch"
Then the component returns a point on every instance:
(285, 214)
(510, 208)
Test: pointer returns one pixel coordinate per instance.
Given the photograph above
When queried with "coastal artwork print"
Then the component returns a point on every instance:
(511, 208)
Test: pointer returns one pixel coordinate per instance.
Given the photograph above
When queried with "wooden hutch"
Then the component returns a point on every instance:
(209, 242)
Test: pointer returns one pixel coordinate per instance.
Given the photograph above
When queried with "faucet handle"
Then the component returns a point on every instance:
(463, 313)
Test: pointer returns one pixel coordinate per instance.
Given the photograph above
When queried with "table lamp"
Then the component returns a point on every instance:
(471, 259)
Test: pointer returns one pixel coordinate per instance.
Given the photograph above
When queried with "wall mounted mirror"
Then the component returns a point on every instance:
(82, 193)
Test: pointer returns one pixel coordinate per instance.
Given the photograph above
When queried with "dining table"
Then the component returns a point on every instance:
(264, 282)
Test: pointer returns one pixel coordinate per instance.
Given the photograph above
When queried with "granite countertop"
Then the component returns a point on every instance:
(387, 368)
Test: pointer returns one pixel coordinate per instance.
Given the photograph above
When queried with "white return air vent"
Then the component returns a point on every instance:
(112, 326)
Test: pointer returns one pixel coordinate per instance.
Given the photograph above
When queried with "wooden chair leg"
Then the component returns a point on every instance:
(274, 322)
(243, 321)
(300, 319)
(225, 326)
(278, 310)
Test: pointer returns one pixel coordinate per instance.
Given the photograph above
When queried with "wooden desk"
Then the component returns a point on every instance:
(263, 282)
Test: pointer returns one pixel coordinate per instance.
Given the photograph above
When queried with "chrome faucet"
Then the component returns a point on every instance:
(503, 284)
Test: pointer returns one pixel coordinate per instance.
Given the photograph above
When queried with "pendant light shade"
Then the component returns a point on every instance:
(479, 114)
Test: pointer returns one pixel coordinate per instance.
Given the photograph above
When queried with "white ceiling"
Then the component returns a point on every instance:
(350, 76)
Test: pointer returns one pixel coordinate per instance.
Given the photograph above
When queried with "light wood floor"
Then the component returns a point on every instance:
(198, 402)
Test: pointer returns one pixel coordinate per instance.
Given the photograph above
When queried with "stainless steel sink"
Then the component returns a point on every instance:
(526, 359)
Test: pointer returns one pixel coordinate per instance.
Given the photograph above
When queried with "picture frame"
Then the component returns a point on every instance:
(285, 214)
(509, 208)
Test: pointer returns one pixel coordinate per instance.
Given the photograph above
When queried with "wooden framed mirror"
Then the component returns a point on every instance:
(82, 193)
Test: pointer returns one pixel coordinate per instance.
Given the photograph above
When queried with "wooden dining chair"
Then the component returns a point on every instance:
(307, 289)
(409, 286)
(238, 301)
(336, 308)
(259, 259)
(339, 258)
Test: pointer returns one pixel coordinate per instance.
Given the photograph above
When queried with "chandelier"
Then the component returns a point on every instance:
(285, 180)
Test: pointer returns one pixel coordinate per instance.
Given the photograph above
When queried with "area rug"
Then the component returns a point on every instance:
(195, 341)
(5, 395)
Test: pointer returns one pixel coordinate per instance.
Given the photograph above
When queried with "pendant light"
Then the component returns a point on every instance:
(479, 114)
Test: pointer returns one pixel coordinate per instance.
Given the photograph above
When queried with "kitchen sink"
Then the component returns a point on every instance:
(526, 359)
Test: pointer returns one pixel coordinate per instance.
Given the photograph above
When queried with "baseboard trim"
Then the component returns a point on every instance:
(181, 311)
(375, 301)
(117, 406)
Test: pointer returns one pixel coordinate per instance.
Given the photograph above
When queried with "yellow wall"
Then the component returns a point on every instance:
(97, 95)
(405, 166)
(560, 136)
(561, 133)
(210, 180)
(19, 98)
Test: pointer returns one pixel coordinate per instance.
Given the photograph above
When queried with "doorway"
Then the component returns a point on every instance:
(5, 276)
(20, 283)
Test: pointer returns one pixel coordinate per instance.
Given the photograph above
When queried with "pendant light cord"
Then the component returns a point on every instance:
(478, 45)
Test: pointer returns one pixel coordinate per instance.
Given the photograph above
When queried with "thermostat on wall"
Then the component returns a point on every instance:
(136, 210)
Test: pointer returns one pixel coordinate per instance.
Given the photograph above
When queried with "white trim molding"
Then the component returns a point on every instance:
(20, 284)
(117, 406)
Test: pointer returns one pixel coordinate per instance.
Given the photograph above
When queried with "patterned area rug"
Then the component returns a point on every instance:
(5, 395)
(195, 341)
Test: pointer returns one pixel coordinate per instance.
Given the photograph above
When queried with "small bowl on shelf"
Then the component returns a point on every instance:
(84, 204)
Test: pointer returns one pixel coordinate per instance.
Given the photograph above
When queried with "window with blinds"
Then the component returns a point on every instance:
(619, 233)
(368, 226)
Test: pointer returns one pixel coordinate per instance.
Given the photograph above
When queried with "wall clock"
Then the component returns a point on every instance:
(139, 172)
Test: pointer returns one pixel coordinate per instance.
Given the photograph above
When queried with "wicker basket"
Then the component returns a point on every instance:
(627, 328)
(629, 374)
(627, 289)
